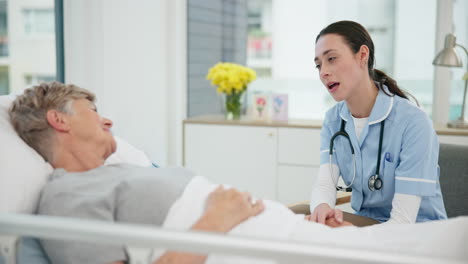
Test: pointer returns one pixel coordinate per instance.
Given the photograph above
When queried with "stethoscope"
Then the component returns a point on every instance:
(374, 183)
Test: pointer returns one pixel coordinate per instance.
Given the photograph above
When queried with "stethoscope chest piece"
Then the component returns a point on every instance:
(375, 183)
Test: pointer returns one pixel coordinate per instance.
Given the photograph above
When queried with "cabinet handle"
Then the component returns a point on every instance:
(271, 134)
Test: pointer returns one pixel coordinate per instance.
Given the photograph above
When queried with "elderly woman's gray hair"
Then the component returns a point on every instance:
(28, 113)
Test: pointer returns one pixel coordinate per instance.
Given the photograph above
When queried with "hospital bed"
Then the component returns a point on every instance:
(138, 240)
(18, 200)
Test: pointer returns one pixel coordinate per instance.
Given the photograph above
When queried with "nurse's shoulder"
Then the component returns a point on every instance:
(332, 121)
(333, 116)
(406, 111)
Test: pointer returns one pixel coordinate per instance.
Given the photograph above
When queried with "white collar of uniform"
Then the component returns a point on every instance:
(382, 107)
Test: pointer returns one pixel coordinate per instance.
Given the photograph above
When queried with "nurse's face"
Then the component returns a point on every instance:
(339, 68)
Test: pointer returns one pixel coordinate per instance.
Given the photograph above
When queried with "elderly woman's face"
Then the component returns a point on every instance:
(339, 68)
(88, 127)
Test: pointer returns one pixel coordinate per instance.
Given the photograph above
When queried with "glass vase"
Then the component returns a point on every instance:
(233, 106)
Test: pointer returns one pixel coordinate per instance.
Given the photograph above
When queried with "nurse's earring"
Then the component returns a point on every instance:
(375, 183)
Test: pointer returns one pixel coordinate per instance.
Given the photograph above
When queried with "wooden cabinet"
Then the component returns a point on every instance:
(299, 146)
(270, 162)
(241, 156)
(298, 162)
(295, 183)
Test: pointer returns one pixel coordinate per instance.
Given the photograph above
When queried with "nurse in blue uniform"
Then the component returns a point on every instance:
(382, 145)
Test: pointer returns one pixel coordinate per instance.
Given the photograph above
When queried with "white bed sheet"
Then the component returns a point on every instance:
(441, 239)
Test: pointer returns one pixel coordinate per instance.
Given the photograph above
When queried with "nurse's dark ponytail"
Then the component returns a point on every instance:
(356, 36)
(383, 78)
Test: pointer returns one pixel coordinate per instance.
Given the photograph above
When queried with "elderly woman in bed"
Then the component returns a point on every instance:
(62, 124)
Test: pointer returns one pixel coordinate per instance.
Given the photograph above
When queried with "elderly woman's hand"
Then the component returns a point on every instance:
(331, 222)
(226, 208)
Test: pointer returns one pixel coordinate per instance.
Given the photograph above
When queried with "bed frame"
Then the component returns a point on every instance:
(139, 240)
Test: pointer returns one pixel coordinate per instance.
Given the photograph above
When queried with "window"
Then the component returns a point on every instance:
(3, 80)
(3, 48)
(460, 18)
(27, 43)
(216, 32)
(32, 79)
(3, 29)
(39, 21)
(259, 41)
(282, 41)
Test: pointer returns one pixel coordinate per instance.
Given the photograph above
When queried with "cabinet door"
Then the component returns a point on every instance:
(299, 146)
(295, 183)
(241, 156)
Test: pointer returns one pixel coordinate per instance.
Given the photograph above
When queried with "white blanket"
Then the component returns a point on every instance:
(445, 239)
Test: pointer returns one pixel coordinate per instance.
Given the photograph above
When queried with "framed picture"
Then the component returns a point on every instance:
(260, 107)
(280, 107)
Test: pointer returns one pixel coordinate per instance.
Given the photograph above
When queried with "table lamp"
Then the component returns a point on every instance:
(449, 57)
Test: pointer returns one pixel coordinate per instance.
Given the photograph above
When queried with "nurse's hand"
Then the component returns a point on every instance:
(323, 212)
(331, 222)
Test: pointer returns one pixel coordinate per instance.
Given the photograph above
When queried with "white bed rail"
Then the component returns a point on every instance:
(139, 236)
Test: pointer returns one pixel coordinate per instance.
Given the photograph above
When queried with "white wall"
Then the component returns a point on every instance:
(129, 54)
(348, 10)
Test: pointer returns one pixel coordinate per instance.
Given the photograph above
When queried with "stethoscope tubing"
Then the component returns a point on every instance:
(373, 178)
(354, 173)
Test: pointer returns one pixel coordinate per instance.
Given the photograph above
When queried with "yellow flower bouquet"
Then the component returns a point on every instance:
(231, 79)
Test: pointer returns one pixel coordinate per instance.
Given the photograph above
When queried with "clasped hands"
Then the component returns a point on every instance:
(324, 214)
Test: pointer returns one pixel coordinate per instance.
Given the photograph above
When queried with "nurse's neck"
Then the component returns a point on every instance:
(362, 101)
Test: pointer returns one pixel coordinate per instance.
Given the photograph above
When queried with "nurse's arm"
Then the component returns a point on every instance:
(405, 208)
(416, 175)
(323, 196)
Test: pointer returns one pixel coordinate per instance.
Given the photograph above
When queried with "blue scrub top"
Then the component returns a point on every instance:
(409, 161)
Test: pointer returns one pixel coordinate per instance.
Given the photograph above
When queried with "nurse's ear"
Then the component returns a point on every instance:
(363, 56)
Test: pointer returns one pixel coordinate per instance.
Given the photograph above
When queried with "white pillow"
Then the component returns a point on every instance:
(23, 172)
(126, 153)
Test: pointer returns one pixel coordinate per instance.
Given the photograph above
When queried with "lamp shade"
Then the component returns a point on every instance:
(448, 56)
